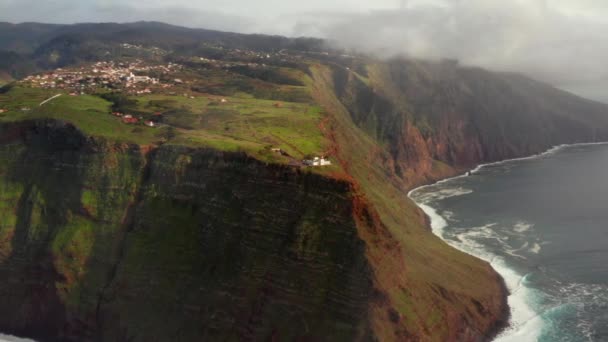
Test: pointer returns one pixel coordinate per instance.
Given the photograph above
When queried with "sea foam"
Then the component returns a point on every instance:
(525, 324)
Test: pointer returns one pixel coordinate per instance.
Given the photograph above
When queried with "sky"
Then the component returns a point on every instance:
(563, 42)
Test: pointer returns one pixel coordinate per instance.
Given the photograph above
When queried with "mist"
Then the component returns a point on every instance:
(562, 42)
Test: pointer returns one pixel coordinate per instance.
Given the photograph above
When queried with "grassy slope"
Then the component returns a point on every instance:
(394, 229)
(408, 123)
(136, 250)
(88, 113)
(65, 204)
(243, 123)
(254, 254)
(424, 289)
(412, 266)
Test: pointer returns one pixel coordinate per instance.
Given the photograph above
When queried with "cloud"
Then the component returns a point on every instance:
(559, 41)
(73, 11)
(555, 43)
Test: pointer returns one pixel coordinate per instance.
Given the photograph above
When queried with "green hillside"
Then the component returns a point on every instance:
(209, 225)
(242, 123)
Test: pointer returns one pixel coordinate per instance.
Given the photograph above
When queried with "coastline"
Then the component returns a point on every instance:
(515, 306)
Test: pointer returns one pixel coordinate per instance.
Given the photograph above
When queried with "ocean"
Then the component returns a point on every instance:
(542, 222)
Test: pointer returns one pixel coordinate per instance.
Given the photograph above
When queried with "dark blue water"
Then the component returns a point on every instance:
(543, 224)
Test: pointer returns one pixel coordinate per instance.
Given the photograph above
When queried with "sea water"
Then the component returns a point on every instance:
(542, 223)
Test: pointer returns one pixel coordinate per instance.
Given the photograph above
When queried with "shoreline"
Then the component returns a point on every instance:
(514, 306)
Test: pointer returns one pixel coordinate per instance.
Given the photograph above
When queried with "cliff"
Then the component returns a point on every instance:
(116, 241)
(402, 123)
(106, 241)
(435, 116)
(425, 291)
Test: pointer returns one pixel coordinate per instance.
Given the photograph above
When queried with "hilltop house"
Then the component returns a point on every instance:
(317, 161)
(321, 162)
(129, 119)
(141, 79)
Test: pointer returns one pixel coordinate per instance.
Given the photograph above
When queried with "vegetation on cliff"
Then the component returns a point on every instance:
(197, 229)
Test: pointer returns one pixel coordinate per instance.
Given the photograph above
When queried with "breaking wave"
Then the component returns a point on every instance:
(525, 325)
(534, 313)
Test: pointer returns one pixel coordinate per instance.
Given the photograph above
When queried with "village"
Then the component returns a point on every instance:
(130, 77)
(138, 78)
(308, 161)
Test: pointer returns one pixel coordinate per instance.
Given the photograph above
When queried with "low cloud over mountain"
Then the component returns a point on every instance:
(560, 41)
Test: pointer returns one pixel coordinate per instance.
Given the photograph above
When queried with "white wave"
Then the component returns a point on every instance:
(550, 151)
(438, 223)
(513, 252)
(479, 167)
(535, 248)
(582, 301)
(468, 237)
(449, 216)
(524, 246)
(522, 227)
(443, 194)
(525, 323)
(471, 235)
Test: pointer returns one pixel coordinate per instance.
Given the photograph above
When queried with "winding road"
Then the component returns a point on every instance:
(49, 99)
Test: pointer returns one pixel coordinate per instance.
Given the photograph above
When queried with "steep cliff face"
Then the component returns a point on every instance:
(101, 240)
(424, 290)
(400, 124)
(118, 242)
(63, 199)
(427, 113)
(222, 246)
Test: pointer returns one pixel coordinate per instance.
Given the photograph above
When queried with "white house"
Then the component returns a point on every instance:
(140, 79)
(317, 161)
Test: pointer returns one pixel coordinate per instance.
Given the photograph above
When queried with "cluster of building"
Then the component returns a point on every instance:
(130, 119)
(229, 64)
(129, 76)
(249, 58)
(317, 161)
(153, 50)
